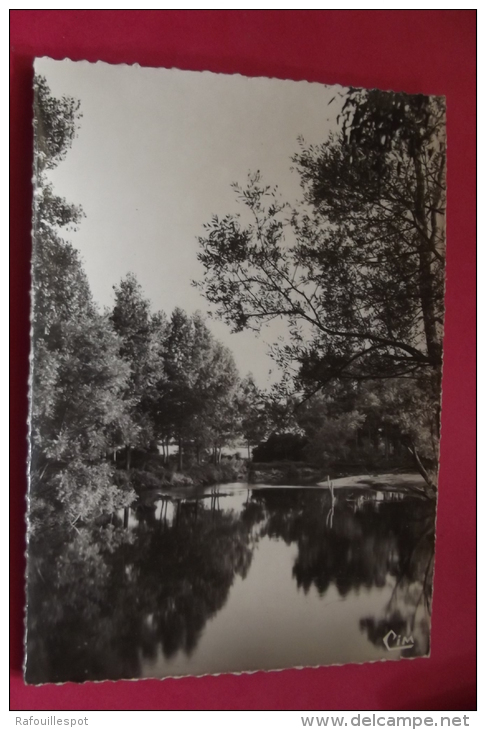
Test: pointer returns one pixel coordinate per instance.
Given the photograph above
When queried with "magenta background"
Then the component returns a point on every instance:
(433, 52)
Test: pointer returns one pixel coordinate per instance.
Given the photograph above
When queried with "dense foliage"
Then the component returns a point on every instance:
(128, 400)
(356, 270)
(77, 375)
(108, 386)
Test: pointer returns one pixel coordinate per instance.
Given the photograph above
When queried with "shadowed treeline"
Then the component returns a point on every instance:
(109, 598)
(366, 543)
(109, 601)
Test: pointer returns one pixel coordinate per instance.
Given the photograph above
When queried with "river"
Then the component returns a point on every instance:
(235, 578)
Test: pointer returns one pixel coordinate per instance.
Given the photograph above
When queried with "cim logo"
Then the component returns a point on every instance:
(395, 642)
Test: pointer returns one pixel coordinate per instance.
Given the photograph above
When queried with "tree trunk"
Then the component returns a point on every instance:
(180, 454)
(428, 300)
(429, 477)
(426, 275)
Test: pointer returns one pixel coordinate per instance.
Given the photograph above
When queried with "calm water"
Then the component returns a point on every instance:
(234, 579)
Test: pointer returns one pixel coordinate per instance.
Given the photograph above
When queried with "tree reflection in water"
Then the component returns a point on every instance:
(109, 598)
(357, 541)
(104, 602)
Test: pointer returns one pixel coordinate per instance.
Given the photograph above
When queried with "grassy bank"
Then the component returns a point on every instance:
(304, 474)
(153, 474)
(284, 472)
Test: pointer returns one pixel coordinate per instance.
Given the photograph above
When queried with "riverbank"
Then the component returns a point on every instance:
(392, 481)
(156, 476)
(300, 474)
(284, 472)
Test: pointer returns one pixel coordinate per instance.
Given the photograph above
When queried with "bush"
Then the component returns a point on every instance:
(146, 480)
(86, 491)
(281, 447)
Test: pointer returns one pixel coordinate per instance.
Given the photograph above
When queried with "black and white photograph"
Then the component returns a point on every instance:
(235, 380)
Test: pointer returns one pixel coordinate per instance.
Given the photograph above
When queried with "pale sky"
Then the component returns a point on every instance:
(155, 155)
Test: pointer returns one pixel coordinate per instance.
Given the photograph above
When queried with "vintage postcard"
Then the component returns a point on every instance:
(237, 320)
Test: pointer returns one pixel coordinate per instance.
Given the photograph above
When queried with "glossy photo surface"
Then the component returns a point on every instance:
(237, 325)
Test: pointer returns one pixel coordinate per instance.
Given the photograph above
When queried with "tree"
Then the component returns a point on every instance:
(382, 184)
(141, 336)
(55, 126)
(411, 407)
(198, 401)
(221, 388)
(357, 269)
(180, 400)
(131, 320)
(60, 287)
(77, 376)
(253, 412)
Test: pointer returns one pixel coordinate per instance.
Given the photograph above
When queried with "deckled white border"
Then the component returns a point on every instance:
(30, 390)
(31, 368)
